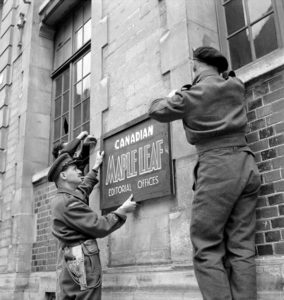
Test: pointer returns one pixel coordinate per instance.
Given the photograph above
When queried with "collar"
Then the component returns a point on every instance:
(203, 75)
(73, 193)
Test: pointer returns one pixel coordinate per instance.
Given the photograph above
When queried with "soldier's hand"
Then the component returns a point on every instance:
(82, 135)
(129, 205)
(172, 93)
(99, 160)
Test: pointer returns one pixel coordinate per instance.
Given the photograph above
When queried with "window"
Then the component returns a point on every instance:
(250, 29)
(71, 78)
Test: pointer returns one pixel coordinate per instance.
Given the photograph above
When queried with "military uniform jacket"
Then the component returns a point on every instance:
(211, 107)
(74, 222)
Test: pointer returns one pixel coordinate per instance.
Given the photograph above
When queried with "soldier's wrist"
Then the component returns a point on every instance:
(121, 211)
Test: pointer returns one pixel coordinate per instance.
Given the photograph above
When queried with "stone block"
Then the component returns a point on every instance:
(202, 12)
(100, 35)
(4, 116)
(3, 138)
(5, 77)
(43, 55)
(7, 22)
(40, 103)
(23, 202)
(4, 94)
(103, 95)
(143, 239)
(184, 180)
(270, 277)
(176, 12)
(6, 39)
(180, 146)
(201, 36)
(181, 75)
(23, 228)
(150, 283)
(38, 76)
(42, 124)
(181, 248)
(20, 259)
(5, 59)
(174, 47)
(8, 5)
(37, 151)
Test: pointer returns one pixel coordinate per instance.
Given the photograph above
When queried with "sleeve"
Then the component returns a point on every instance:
(88, 183)
(170, 108)
(82, 218)
(71, 147)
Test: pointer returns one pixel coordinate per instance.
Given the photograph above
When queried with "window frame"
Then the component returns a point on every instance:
(278, 7)
(68, 64)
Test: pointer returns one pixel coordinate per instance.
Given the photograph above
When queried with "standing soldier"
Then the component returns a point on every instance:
(77, 227)
(226, 177)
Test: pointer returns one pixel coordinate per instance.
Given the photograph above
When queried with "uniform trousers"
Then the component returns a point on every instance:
(68, 287)
(223, 223)
(71, 291)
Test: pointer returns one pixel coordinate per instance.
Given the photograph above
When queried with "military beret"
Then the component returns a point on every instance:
(62, 161)
(212, 57)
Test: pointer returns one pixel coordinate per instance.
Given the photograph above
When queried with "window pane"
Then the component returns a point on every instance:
(87, 64)
(264, 36)
(87, 31)
(78, 18)
(87, 11)
(57, 129)
(64, 138)
(66, 102)
(86, 87)
(86, 110)
(77, 131)
(78, 93)
(65, 123)
(258, 8)
(66, 80)
(240, 49)
(86, 127)
(78, 70)
(79, 39)
(77, 116)
(57, 111)
(58, 86)
(235, 16)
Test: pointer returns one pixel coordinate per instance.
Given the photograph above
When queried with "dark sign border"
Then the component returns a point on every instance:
(121, 128)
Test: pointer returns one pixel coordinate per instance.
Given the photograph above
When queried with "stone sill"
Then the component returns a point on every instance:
(261, 66)
(40, 176)
(269, 260)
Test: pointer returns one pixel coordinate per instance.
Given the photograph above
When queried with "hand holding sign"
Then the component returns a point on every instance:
(99, 160)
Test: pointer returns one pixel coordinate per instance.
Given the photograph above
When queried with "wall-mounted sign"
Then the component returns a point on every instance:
(137, 161)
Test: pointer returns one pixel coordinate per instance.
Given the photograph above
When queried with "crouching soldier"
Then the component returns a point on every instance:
(77, 227)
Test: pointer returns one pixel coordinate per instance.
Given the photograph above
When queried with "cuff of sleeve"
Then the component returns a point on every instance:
(95, 171)
(120, 213)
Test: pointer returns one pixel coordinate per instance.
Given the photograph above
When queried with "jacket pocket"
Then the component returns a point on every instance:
(92, 263)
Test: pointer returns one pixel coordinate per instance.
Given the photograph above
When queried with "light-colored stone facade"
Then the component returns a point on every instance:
(140, 50)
